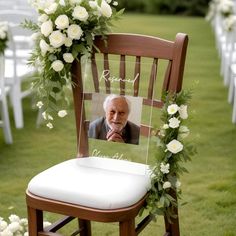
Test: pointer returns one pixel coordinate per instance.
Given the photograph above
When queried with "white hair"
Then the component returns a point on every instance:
(111, 97)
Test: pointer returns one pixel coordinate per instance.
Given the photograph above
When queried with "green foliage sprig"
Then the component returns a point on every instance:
(172, 152)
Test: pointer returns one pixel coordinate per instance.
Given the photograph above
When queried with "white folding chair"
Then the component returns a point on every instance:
(234, 103)
(16, 68)
(219, 33)
(4, 90)
(228, 56)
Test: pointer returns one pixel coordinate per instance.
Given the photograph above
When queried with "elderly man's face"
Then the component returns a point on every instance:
(117, 113)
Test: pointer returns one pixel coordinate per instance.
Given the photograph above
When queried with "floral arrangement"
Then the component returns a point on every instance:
(224, 7)
(230, 23)
(16, 227)
(172, 151)
(3, 36)
(64, 32)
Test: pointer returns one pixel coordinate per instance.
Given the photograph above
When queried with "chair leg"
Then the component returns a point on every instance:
(17, 106)
(127, 228)
(85, 226)
(6, 121)
(35, 221)
(234, 104)
(231, 89)
(172, 228)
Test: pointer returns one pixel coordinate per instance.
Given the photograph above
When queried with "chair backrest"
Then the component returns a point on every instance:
(20, 43)
(166, 76)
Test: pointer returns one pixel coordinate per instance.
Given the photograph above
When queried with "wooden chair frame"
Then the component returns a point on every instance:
(119, 44)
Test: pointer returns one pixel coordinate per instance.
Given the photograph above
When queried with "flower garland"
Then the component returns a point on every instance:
(172, 151)
(64, 32)
(3, 36)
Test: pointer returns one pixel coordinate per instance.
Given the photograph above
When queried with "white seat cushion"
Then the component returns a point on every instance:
(95, 182)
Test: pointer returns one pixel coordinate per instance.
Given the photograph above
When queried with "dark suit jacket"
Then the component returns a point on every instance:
(98, 129)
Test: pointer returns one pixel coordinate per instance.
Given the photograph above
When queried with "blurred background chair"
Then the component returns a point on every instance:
(16, 69)
(234, 100)
(4, 114)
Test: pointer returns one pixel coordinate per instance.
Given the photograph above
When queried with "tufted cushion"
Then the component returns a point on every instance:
(96, 182)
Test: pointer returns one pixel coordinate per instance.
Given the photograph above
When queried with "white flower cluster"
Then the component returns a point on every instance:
(3, 36)
(223, 8)
(59, 31)
(176, 114)
(64, 32)
(176, 146)
(48, 117)
(226, 7)
(3, 30)
(15, 227)
(230, 22)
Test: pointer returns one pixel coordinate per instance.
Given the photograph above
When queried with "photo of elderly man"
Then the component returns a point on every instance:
(115, 126)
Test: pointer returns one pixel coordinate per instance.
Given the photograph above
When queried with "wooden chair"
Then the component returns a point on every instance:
(43, 194)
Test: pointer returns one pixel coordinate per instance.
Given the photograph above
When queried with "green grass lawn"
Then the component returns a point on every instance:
(210, 187)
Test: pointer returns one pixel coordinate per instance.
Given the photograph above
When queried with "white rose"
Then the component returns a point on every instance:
(68, 42)
(51, 9)
(39, 104)
(24, 222)
(174, 146)
(80, 13)
(44, 115)
(162, 133)
(93, 4)
(57, 65)
(74, 31)
(166, 185)
(62, 22)
(3, 225)
(49, 125)
(14, 218)
(26, 234)
(35, 36)
(14, 226)
(165, 168)
(183, 112)
(57, 39)
(62, 113)
(44, 47)
(105, 9)
(172, 109)
(6, 232)
(174, 122)
(68, 57)
(3, 35)
(42, 18)
(47, 28)
(165, 126)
